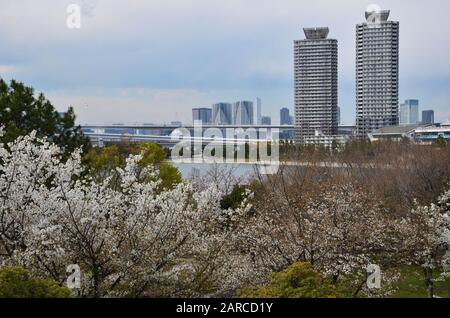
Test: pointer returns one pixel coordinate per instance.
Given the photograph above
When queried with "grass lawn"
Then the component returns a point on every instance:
(411, 285)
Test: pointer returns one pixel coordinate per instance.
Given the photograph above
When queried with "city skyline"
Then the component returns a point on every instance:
(172, 65)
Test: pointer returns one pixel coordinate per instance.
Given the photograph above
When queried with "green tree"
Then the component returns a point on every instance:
(299, 280)
(21, 112)
(17, 282)
(234, 199)
(155, 155)
(102, 161)
(441, 142)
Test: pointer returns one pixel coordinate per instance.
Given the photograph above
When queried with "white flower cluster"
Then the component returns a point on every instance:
(343, 230)
(336, 232)
(128, 240)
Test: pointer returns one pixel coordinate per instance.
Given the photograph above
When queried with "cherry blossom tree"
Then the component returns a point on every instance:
(338, 228)
(427, 239)
(129, 240)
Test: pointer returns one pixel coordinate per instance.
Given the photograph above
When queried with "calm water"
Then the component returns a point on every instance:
(187, 169)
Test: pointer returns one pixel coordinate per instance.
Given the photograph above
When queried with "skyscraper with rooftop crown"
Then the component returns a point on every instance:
(377, 73)
(315, 84)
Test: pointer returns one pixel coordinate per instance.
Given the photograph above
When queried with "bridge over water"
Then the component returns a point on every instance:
(163, 134)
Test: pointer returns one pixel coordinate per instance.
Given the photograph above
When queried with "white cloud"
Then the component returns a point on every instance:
(133, 105)
(270, 68)
(8, 70)
(207, 45)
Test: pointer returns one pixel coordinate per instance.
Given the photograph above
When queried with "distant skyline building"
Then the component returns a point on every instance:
(243, 113)
(428, 117)
(222, 114)
(266, 121)
(176, 123)
(258, 111)
(315, 84)
(377, 73)
(409, 112)
(285, 117)
(202, 114)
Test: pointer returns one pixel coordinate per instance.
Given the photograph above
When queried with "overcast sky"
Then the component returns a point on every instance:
(154, 60)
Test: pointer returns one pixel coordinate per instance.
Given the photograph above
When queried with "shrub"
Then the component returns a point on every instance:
(17, 282)
(299, 280)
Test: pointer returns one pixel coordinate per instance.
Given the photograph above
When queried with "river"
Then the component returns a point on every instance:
(188, 169)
